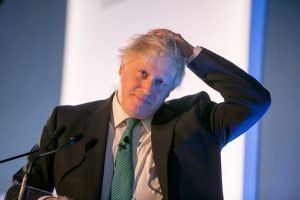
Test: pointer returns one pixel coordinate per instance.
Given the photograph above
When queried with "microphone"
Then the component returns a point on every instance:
(57, 133)
(122, 146)
(126, 141)
(71, 141)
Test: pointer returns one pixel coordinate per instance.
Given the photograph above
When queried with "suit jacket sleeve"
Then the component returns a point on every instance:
(245, 99)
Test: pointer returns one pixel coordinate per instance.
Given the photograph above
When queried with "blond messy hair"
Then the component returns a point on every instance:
(162, 47)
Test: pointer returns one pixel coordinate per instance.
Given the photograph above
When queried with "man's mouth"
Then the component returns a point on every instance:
(143, 100)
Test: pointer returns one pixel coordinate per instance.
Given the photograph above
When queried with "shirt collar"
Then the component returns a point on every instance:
(119, 115)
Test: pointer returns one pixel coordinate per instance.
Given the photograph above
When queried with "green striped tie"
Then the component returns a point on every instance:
(123, 177)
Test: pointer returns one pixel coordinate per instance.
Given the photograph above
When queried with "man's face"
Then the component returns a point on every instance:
(145, 84)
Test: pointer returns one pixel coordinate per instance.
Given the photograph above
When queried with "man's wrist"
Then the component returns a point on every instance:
(195, 53)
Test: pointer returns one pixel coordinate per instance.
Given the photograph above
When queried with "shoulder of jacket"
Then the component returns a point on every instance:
(186, 102)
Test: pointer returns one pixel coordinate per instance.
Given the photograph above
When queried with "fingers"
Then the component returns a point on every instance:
(182, 44)
(165, 32)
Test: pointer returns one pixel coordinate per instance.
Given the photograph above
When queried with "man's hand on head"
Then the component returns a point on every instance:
(185, 47)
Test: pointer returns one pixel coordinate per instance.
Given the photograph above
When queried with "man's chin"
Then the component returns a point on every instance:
(141, 115)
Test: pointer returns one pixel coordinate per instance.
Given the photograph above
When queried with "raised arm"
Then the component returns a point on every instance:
(245, 99)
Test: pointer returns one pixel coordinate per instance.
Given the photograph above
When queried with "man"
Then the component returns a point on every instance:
(174, 147)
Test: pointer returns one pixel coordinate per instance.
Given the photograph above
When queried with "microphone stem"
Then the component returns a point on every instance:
(27, 175)
(19, 156)
(25, 178)
(58, 132)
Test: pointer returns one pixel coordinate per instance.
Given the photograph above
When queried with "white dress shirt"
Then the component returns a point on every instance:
(146, 185)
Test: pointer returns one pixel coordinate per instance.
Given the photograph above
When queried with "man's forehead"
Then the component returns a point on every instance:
(155, 60)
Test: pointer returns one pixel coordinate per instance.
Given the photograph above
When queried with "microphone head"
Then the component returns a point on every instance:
(71, 141)
(59, 132)
(76, 138)
(122, 146)
(126, 139)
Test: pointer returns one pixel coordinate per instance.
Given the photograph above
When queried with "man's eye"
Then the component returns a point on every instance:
(160, 83)
(143, 74)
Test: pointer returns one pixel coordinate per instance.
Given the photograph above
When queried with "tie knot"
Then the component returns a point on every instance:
(130, 123)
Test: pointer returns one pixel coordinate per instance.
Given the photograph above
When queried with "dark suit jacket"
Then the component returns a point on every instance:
(187, 137)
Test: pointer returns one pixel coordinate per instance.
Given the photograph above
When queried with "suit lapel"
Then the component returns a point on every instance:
(89, 152)
(97, 127)
(162, 136)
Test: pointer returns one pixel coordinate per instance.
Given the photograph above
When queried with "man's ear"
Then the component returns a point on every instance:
(121, 69)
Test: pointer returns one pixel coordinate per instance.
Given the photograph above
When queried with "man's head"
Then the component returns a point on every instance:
(151, 67)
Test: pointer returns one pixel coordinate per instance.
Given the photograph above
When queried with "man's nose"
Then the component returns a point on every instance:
(148, 87)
